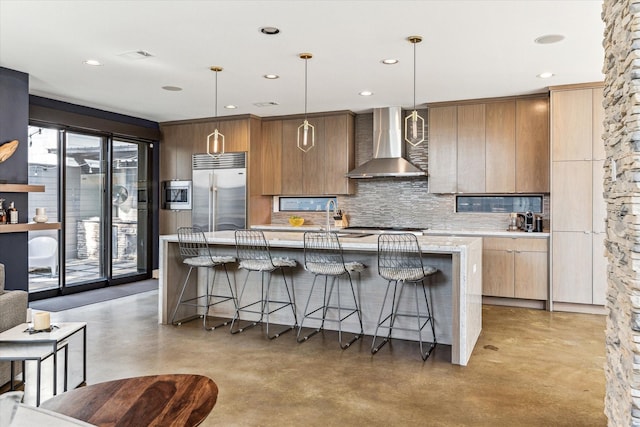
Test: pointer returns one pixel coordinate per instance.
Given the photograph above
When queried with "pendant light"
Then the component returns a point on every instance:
(306, 131)
(413, 123)
(215, 140)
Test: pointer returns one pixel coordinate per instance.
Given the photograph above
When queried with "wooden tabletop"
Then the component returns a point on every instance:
(157, 400)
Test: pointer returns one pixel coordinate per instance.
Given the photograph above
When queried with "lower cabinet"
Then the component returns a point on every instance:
(515, 267)
(579, 267)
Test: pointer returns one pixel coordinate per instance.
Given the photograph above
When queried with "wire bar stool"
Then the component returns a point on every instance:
(400, 263)
(254, 255)
(323, 257)
(196, 252)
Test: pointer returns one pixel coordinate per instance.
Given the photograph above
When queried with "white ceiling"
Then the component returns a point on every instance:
(471, 49)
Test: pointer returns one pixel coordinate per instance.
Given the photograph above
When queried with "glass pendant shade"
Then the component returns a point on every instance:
(306, 131)
(414, 128)
(215, 140)
(306, 136)
(414, 123)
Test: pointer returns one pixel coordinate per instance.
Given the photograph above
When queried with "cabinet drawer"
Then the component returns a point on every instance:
(522, 244)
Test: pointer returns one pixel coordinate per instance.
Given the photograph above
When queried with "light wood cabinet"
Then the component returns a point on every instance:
(572, 126)
(471, 148)
(321, 170)
(340, 155)
(271, 157)
(571, 196)
(572, 267)
(496, 146)
(515, 268)
(578, 209)
(443, 151)
(500, 176)
(532, 145)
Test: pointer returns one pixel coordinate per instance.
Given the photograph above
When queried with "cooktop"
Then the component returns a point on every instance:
(380, 230)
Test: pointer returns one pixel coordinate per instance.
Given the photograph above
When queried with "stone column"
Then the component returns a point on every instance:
(622, 194)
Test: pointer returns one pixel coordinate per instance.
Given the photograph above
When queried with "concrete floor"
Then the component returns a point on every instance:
(529, 368)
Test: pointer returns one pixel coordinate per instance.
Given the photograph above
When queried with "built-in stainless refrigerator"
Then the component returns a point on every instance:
(219, 191)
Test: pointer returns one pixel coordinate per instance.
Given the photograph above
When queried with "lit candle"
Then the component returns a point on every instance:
(41, 321)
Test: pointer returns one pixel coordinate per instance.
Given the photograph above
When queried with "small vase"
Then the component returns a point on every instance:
(40, 218)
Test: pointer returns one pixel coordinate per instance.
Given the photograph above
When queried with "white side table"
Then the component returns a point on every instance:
(17, 344)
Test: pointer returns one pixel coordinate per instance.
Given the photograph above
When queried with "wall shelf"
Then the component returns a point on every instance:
(30, 226)
(21, 188)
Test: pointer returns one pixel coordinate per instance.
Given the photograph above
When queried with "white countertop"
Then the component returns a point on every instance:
(486, 233)
(428, 232)
(287, 239)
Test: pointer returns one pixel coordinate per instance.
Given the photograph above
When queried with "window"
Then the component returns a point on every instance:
(499, 204)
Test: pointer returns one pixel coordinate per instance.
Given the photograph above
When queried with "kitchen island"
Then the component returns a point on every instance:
(456, 290)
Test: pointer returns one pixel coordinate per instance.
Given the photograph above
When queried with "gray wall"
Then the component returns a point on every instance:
(14, 119)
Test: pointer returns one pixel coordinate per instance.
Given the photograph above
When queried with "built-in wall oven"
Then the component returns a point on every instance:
(176, 195)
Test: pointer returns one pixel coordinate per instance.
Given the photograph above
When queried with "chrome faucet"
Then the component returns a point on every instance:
(329, 203)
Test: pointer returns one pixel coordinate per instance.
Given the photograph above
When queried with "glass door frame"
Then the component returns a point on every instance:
(107, 152)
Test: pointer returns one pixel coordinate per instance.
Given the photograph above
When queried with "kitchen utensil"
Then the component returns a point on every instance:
(513, 222)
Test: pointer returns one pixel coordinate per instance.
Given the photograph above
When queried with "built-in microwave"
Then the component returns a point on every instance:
(176, 195)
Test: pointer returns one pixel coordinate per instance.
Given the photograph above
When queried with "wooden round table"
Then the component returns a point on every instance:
(157, 400)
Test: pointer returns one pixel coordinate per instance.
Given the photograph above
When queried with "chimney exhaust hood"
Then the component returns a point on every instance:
(388, 148)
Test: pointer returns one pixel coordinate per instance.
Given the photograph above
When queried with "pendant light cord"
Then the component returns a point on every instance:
(216, 97)
(414, 76)
(305, 87)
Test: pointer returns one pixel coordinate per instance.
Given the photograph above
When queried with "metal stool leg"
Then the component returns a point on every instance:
(425, 354)
(239, 308)
(306, 313)
(390, 317)
(326, 306)
(355, 310)
(175, 310)
(222, 298)
(289, 303)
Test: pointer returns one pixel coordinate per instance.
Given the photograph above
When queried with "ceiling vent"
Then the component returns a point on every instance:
(136, 54)
(266, 104)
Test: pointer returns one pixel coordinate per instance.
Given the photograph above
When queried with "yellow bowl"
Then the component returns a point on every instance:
(296, 222)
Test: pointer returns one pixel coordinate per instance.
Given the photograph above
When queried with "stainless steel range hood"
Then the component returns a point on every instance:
(388, 148)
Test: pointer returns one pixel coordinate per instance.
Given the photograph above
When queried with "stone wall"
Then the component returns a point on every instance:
(622, 174)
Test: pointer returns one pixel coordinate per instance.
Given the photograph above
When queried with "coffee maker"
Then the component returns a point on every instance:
(526, 221)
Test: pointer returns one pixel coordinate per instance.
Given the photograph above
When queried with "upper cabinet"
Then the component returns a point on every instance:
(182, 139)
(443, 149)
(496, 146)
(319, 171)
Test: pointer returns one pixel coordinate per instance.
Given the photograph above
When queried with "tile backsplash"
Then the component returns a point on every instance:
(404, 202)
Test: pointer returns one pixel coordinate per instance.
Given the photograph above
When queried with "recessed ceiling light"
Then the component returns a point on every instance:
(230, 107)
(549, 39)
(270, 31)
(271, 76)
(366, 93)
(93, 62)
(545, 75)
(389, 61)
(172, 88)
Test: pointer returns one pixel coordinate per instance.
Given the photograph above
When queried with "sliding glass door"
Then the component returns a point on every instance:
(44, 169)
(97, 187)
(84, 208)
(129, 211)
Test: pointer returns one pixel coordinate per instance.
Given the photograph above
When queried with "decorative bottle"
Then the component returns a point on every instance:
(12, 214)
